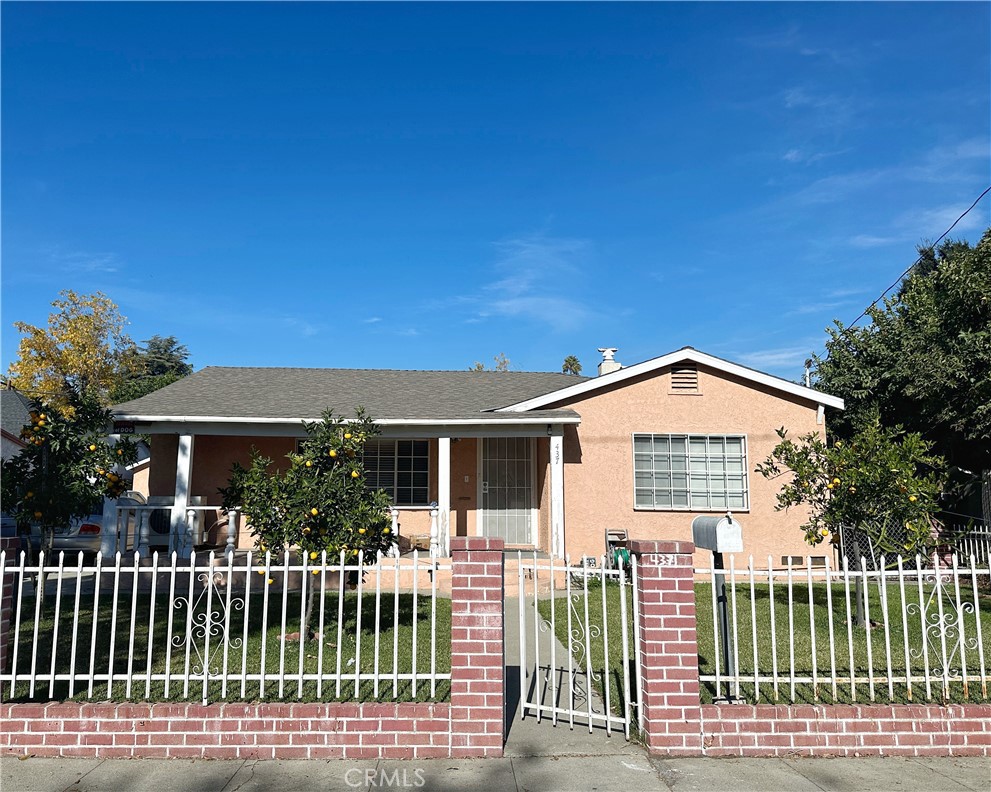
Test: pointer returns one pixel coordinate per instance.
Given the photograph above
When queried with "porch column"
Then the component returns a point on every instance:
(557, 490)
(444, 494)
(180, 541)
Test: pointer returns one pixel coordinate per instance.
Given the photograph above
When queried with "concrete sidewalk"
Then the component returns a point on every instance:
(620, 772)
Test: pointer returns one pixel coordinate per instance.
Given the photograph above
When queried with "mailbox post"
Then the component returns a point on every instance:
(721, 535)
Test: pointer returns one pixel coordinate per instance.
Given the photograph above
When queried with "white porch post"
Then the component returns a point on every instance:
(444, 493)
(557, 491)
(180, 541)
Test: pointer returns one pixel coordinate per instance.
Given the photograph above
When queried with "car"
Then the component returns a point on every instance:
(84, 534)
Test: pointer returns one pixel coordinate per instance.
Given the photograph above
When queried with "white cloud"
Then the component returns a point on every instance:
(872, 241)
(791, 359)
(83, 261)
(304, 328)
(372, 319)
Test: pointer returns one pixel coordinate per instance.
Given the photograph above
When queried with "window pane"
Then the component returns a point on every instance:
(736, 501)
(717, 500)
(642, 462)
(734, 445)
(679, 499)
(662, 464)
(679, 463)
(678, 444)
(644, 497)
(661, 444)
(716, 446)
(699, 501)
(642, 444)
(697, 445)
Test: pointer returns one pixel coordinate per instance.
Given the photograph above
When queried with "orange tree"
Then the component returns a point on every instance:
(319, 501)
(67, 467)
(881, 480)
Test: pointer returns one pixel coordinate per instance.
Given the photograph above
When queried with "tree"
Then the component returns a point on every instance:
(501, 363)
(66, 468)
(882, 480)
(924, 361)
(160, 362)
(571, 365)
(319, 503)
(82, 353)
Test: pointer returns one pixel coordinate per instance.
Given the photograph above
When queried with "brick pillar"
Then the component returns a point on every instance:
(478, 685)
(10, 545)
(668, 648)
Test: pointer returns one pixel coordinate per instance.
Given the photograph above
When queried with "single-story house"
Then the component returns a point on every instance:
(546, 461)
(15, 409)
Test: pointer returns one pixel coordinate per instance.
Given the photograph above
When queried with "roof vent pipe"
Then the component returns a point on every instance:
(608, 364)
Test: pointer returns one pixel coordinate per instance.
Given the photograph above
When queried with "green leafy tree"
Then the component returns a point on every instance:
(571, 365)
(882, 480)
(924, 360)
(318, 502)
(160, 362)
(67, 467)
(83, 350)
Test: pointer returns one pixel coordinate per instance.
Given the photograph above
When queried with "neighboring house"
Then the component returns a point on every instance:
(543, 460)
(15, 411)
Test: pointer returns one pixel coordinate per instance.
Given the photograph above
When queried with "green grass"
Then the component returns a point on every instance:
(262, 635)
(809, 621)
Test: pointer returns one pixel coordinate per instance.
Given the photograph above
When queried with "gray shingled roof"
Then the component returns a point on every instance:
(14, 410)
(294, 393)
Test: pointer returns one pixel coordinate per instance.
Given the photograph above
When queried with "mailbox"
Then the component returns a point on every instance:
(718, 534)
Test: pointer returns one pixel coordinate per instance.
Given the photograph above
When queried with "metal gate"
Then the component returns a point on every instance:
(578, 642)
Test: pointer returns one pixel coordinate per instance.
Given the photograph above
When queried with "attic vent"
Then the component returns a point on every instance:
(684, 379)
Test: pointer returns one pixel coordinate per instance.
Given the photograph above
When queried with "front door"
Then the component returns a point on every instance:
(506, 481)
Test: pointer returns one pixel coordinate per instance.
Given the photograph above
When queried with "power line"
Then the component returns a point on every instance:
(901, 277)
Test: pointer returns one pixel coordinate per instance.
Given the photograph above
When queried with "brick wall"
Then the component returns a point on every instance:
(676, 723)
(838, 730)
(469, 725)
(228, 731)
(668, 647)
(478, 690)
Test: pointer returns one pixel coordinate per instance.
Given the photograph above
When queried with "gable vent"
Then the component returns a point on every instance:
(685, 379)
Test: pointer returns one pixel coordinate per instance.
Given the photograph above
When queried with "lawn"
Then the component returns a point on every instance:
(157, 659)
(789, 646)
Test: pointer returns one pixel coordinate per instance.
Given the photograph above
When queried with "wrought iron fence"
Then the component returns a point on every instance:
(231, 627)
(910, 629)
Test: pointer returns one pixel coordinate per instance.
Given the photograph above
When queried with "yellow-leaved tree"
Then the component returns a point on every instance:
(84, 350)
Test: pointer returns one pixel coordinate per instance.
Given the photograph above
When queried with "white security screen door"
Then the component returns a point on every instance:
(506, 482)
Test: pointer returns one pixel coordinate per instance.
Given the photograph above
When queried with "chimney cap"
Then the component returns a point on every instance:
(608, 353)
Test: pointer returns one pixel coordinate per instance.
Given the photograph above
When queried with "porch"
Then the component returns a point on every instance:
(504, 479)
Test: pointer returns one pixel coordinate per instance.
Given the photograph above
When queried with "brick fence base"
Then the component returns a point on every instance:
(838, 730)
(227, 731)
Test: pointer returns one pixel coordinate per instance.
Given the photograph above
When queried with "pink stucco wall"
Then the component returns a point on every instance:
(598, 458)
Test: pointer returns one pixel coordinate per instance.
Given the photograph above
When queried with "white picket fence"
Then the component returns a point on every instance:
(793, 633)
(215, 627)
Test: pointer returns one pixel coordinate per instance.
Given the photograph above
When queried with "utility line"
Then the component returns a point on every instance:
(901, 277)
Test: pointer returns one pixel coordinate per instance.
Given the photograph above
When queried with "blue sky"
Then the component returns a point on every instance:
(422, 186)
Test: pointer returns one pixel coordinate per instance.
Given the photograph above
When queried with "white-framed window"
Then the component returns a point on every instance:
(401, 468)
(690, 472)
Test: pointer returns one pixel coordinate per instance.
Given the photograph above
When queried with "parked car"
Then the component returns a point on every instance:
(83, 534)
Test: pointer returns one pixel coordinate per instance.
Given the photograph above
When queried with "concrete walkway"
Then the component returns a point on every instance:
(510, 774)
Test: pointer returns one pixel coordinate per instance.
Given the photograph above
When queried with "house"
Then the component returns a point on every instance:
(544, 460)
(15, 409)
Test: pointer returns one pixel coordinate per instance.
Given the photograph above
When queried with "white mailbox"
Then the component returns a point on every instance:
(718, 534)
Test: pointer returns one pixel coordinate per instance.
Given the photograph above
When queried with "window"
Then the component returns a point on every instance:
(690, 472)
(401, 468)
